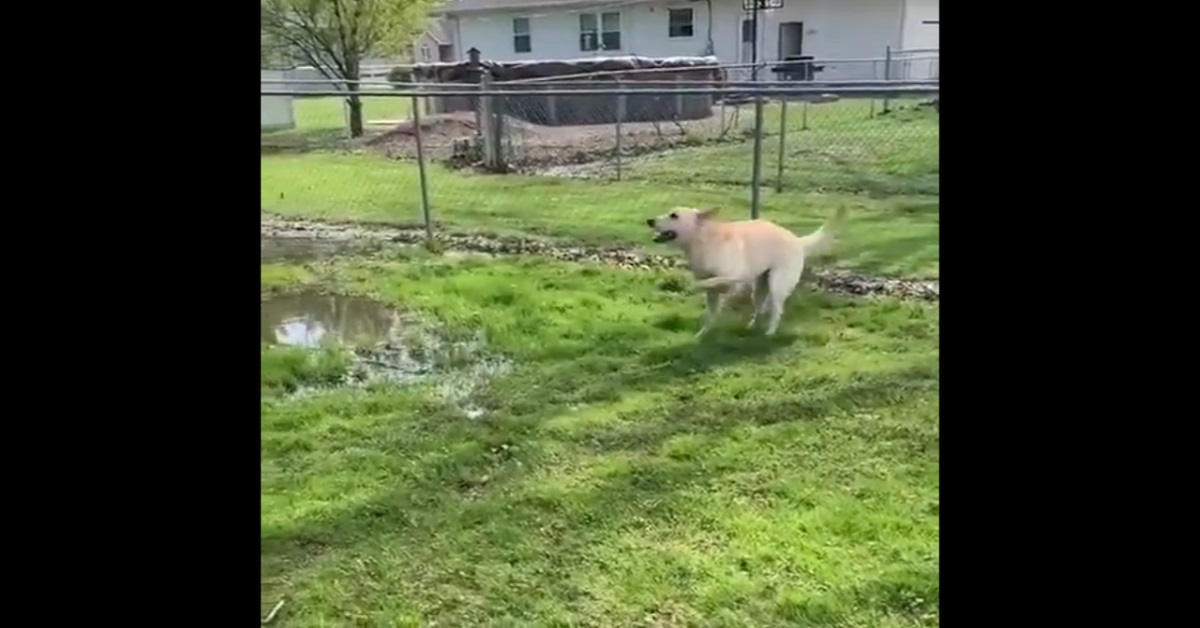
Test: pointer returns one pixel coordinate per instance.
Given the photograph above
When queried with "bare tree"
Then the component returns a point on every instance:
(334, 36)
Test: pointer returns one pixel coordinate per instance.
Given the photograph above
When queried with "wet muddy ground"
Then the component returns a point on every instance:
(386, 345)
(284, 249)
(329, 238)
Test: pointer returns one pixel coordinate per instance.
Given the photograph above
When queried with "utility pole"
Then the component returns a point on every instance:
(754, 41)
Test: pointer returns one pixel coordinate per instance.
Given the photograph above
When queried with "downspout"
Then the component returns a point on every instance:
(899, 47)
(708, 45)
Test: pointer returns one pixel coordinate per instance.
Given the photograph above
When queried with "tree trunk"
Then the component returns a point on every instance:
(354, 102)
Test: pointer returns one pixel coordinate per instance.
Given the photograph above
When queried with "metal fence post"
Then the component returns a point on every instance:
(476, 76)
(486, 123)
(782, 138)
(874, 77)
(500, 108)
(416, 117)
(620, 117)
(887, 72)
(756, 175)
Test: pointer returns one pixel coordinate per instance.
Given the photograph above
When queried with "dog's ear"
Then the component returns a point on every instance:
(706, 214)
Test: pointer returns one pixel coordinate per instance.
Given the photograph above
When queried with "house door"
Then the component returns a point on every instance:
(791, 39)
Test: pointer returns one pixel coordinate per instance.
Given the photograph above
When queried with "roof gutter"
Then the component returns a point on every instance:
(448, 11)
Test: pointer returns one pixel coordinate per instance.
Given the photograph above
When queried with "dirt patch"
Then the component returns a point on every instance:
(833, 280)
(607, 169)
(305, 249)
(531, 147)
(438, 133)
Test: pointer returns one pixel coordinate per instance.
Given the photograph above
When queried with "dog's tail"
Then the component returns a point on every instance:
(820, 241)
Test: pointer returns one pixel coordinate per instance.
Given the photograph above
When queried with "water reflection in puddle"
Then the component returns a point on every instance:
(387, 346)
(310, 319)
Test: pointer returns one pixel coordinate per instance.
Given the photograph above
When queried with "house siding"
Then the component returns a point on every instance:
(555, 33)
(833, 29)
(919, 36)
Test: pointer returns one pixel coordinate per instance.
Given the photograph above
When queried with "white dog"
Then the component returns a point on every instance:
(729, 257)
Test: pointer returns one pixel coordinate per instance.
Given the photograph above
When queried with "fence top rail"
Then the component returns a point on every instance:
(673, 85)
(781, 90)
(566, 84)
(687, 69)
(700, 68)
(637, 71)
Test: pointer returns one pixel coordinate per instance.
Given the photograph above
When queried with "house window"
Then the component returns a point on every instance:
(522, 40)
(599, 31)
(424, 52)
(747, 31)
(679, 23)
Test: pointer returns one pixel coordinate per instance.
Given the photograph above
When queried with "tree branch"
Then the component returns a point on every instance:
(336, 35)
(341, 27)
(301, 27)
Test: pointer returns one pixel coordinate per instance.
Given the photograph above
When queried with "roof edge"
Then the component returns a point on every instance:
(449, 11)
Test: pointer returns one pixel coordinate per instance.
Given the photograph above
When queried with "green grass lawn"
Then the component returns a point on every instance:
(896, 235)
(322, 119)
(623, 474)
(839, 147)
(883, 168)
(329, 112)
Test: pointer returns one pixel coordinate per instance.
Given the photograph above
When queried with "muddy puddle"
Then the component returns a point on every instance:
(386, 345)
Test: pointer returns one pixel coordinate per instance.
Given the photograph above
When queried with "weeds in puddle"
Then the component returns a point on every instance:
(289, 369)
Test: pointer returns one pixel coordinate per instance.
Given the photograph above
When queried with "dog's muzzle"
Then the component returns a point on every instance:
(665, 236)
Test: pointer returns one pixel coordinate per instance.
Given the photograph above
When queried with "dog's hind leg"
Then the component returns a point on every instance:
(759, 291)
(780, 284)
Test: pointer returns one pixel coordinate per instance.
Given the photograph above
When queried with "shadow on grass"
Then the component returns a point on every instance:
(815, 398)
(908, 257)
(921, 209)
(604, 378)
(485, 498)
(912, 593)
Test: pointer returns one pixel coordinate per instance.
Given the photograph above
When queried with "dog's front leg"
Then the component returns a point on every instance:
(716, 303)
(759, 293)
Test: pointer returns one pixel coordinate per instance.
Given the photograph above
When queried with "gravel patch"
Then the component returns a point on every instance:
(358, 233)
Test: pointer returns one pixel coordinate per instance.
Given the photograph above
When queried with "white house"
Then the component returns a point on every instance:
(847, 30)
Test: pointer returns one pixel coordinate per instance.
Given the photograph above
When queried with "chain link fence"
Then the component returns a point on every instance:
(501, 156)
(814, 143)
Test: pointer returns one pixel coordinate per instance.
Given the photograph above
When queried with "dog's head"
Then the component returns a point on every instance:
(680, 224)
